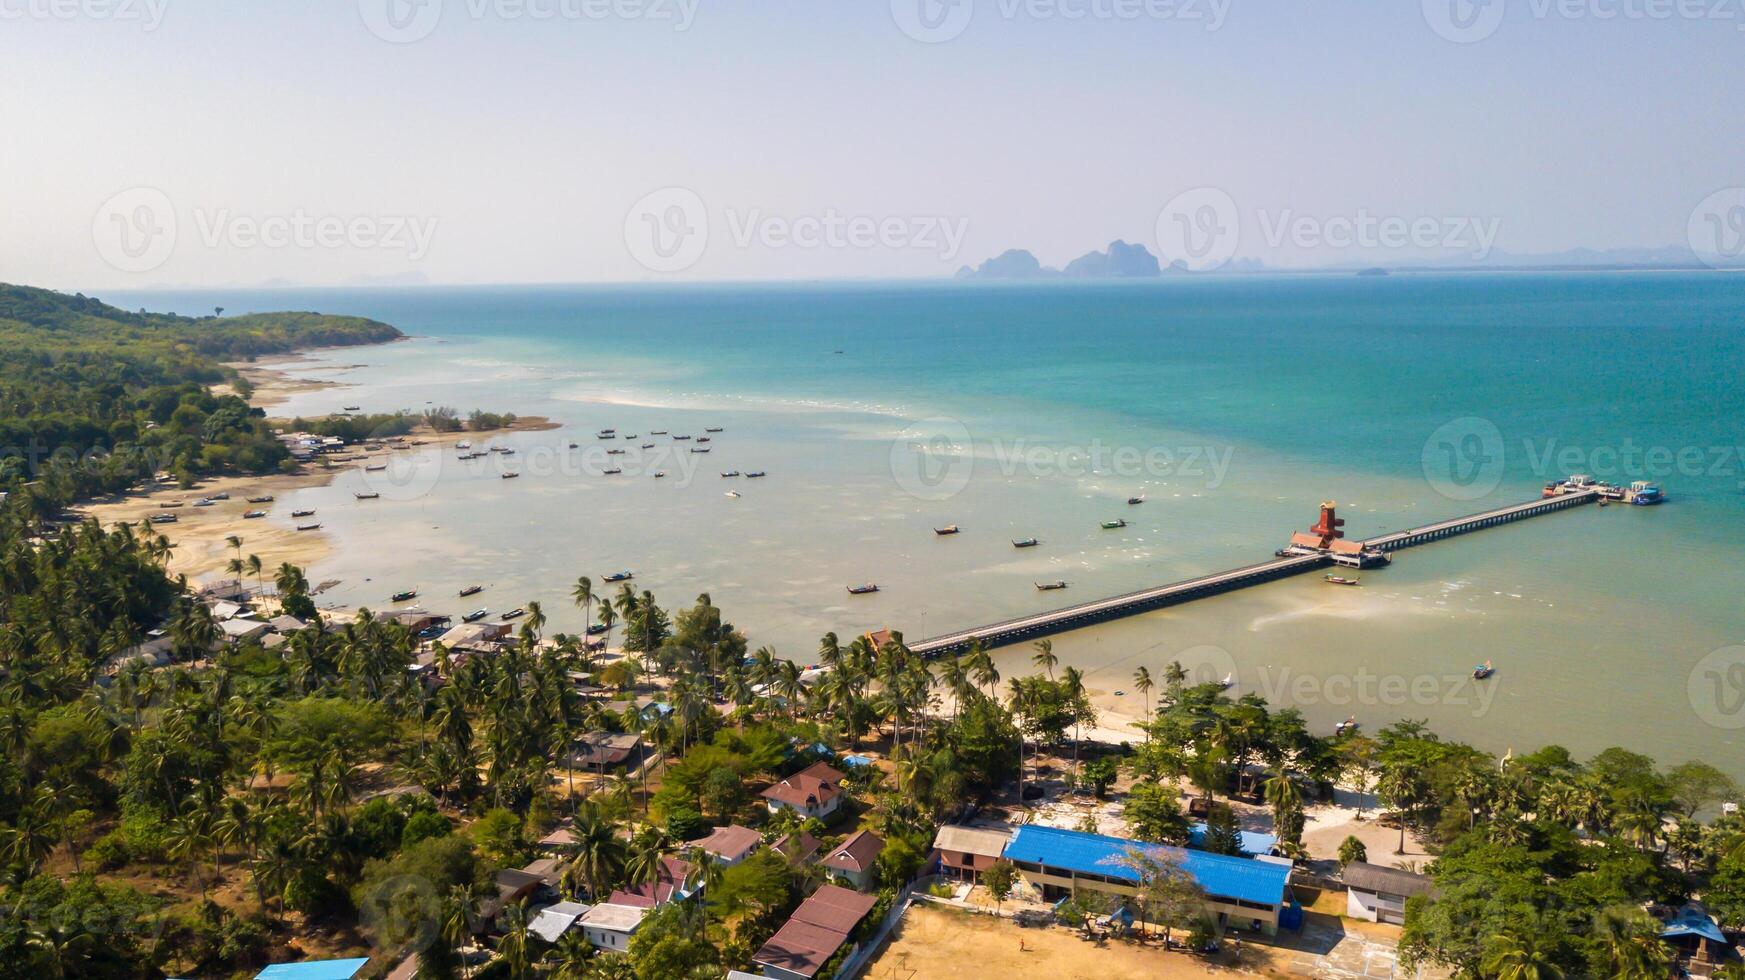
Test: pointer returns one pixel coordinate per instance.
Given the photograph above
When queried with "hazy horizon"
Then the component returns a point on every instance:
(187, 144)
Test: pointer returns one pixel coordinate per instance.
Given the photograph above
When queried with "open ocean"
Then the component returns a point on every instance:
(1233, 404)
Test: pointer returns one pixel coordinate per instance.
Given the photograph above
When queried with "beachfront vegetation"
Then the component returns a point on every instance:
(94, 399)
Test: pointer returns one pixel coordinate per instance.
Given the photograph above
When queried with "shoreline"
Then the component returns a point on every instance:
(198, 537)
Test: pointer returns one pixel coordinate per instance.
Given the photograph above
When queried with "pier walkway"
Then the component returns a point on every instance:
(1038, 625)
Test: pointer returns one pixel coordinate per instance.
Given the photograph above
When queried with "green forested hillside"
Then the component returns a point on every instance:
(93, 397)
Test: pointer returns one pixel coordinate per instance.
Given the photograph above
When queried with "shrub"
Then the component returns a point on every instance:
(108, 852)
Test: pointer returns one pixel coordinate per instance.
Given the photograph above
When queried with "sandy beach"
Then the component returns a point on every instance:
(199, 536)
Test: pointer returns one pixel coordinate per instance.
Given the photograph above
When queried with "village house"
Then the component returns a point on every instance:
(854, 863)
(1378, 894)
(798, 847)
(671, 884)
(965, 852)
(608, 752)
(813, 792)
(818, 928)
(609, 927)
(550, 923)
(1242, 893)
(730, 844)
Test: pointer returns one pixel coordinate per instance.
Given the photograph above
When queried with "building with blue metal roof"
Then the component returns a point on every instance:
(1241, 892)
(314, 970)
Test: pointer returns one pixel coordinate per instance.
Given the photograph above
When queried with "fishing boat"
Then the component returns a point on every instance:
(730, 473)
(1228, 682)
(471, 590)
(1348, 725)
(170, 504)
(699, 449)
(660, 474)
(614, 452)
(1051, 586)
(1133, 501)
(681, 438)
(623, 576)
(202, 502)
(300, 513)
(163, 518)
(1026, 543)
(1483, 670)
(253, 515)
(701, 439)
(463, 444)
(369, 495)
(733, 493)
(406, 596)
(510, 476)
(947, 529)
(354, 408)
(379, 467)
(220, 495)
(754, 474)
(475, 615)
(574, 445)
(657, 432)
(596, 629)
(1340, 580)
(631, 436)
(308, 527)
(505, 451)
(866, 589)
(261, 500)
(648, 445)
(515, 613)
(712, 428)
(1112, 525)
(611, 471)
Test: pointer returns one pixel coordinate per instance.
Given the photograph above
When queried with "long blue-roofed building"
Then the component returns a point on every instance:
(1243, 893)
(315, 970)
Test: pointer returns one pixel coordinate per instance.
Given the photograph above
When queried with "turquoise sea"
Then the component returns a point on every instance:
(1234, 405)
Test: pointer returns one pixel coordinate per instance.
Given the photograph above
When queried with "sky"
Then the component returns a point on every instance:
(228, 142)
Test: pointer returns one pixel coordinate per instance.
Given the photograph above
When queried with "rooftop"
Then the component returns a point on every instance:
(972, 840)
(1094, 854)
(1376, 878)
(616, 918)
(314, 970)
(730, 843)
(857, 853)
(814, 785)
(816, 931)
(1252, 841)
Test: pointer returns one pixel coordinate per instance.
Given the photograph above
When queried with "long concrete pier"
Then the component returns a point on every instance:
(1039, 625)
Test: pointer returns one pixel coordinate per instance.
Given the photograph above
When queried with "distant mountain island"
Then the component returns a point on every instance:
(1126, 261)
(1120, 261)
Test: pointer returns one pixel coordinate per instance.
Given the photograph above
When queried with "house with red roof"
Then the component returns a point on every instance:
(670, 885)
(815, 791)
(821, 925)
(855, 860)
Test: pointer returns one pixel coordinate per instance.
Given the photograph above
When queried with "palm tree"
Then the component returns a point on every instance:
(1143, 683)
(981, 665)
(255, 568)
(1045, 657)
(583, 596)
(1399, 785)
(1520, 956)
